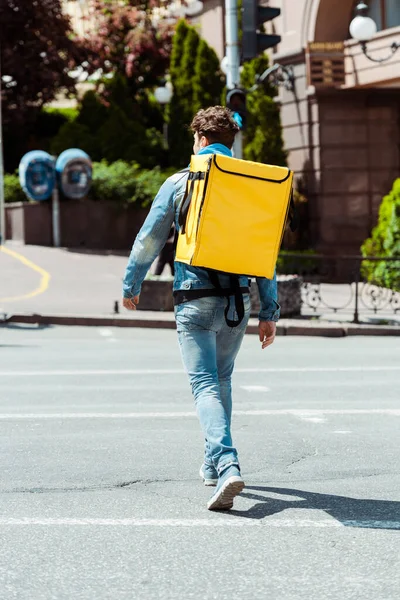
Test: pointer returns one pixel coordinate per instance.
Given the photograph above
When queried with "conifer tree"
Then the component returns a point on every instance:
(263, 136)
(189, 60)
(208, 81)
(184, 43)
(197, 83)
(178, 41)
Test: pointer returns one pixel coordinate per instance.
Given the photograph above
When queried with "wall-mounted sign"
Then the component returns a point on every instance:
(325, 64)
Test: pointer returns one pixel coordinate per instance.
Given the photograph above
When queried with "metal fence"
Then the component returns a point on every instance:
(355, 287)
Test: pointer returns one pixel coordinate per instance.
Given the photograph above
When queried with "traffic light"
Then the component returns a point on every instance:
(236, 102)
(254, 42)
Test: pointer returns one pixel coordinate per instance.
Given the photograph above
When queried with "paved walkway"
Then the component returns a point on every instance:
(75, 283)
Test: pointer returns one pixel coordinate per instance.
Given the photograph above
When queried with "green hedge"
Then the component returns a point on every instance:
(12, 189)
(120, 182)
(125, 183)
(385, 241)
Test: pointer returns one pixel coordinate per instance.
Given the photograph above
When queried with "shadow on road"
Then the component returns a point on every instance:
(99, 251)
(17, 346)
(351, 512)
(22, 327)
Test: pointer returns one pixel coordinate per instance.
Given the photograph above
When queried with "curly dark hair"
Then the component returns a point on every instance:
(216, 124)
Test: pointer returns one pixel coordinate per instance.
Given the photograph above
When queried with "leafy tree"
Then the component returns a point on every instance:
(113, 130)
(36, 65)
(384, 242)
(263, 135)
(36, 60)
(128, 40)
(75, 135)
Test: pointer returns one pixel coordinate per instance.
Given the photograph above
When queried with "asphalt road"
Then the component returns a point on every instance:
(99, 490)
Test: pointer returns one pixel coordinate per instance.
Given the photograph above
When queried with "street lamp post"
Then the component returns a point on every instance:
(163, 95)
(363, 28)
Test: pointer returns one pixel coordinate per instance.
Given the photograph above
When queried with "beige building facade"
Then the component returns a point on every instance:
(343, 139)
(342, 136)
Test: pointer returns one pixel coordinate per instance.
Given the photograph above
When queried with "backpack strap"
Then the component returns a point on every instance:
(187, 199)
(293, 214)
(239, 304)
(233, 290)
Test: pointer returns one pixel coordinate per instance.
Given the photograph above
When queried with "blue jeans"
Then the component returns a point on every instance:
(209, 348)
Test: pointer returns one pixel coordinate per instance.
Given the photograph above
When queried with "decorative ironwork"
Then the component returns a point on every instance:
(377, 298)
(337, 284)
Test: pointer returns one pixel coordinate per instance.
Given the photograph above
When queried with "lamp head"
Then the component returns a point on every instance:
(163, 94)
(362, 28)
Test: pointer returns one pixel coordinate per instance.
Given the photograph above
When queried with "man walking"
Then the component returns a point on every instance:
(208, 345)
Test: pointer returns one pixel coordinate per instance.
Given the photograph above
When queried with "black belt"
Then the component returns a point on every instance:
(182, 296)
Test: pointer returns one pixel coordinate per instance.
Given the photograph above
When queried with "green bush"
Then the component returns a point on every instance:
(148, 184)
(125, 183)
(385, 241)
(66, 114)
(302, 263)
(116, 182)
(119, 182)
(12, 189)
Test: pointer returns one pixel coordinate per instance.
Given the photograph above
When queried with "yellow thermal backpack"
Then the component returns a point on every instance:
(233, 215)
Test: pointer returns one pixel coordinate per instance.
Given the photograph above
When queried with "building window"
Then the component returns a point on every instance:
(385, 13)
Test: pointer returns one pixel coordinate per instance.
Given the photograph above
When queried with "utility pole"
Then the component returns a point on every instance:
(232, 54)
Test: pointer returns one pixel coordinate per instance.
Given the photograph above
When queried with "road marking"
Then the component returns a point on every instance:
(183, 414)
(313, 419)
(140, 522)
(255, 388)
(44, 280)
(99, 372)
(211, 522)
(342, 432)
(105, 332)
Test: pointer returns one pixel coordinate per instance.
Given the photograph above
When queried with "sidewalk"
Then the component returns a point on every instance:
(73, 287)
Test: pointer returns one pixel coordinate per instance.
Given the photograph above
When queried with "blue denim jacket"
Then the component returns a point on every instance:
(154, 233)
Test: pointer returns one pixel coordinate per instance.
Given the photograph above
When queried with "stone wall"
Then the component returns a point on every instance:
(83, 224)
(157, 295)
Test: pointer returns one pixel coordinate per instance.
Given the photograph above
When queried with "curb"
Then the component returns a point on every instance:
(87, 321)
(320, 330)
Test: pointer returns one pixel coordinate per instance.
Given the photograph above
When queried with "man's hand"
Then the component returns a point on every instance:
(267, 332)
(130, 303)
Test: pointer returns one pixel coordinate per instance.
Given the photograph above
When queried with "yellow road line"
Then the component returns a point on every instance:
(44, 280)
